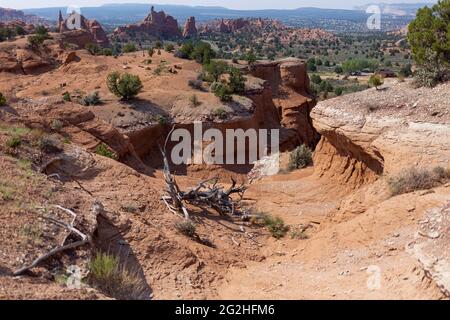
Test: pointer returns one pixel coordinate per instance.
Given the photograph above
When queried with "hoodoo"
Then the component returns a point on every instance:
(155, 25)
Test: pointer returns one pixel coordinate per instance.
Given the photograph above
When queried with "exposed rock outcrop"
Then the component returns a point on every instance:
(155, 25)
(289, 82)
(370, 133)
(190, 29)
(78, 30)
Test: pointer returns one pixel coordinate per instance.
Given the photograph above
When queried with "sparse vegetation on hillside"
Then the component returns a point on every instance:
(103, 150)
(39, 37)
(414, 179)
(129, 47)
(275, 225)
(93, 49)
(125, 86)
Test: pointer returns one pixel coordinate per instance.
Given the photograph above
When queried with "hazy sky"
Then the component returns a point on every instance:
(233, 4)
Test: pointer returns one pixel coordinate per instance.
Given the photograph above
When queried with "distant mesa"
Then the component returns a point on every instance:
(10, 15)
(155, 25)
(28, 28)
(81, 31)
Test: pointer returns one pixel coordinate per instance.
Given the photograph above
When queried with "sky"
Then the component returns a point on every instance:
(232, 4)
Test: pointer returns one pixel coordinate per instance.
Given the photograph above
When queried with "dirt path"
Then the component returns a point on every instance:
(339, 261)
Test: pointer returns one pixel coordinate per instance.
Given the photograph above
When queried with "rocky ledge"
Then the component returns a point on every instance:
(384, 131)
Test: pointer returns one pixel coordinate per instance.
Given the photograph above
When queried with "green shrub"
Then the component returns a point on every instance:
(431, 71)
(186, 227)
(251, 57)
(300, 158)
(125, 86)
(237, 81)
(2, 99)
(354, 65)
(93, 49)
(221, 90)
(37, 40)
(429, 32)
(151, 52)
(406, 71)
(103, 150)
(338, 70)
(107, 52)
(338, 91)
(129, 47)
(276, 225)
(315, 78)
(14, 142)
(169, 47)
(92, 99)
(414, 179)
(216, 68)
(375, 81)
(67, 97)
(162, 119)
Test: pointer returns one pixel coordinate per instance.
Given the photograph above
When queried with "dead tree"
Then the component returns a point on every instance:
(84, 239)
(206, 194)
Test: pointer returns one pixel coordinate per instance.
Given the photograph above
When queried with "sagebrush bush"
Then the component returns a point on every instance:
(49, 144)
(56, 125)
(114, 279)
(92, 99)
(125, 86)
(196, 84)
(414, 179)
(186, 227)
(275, 225)
(300, 158)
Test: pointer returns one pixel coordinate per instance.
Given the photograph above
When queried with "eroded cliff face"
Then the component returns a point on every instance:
(289, 82)
(371, 133)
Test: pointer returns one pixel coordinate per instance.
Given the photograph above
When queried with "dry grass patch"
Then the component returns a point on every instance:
(109, 275)
(414, 179)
